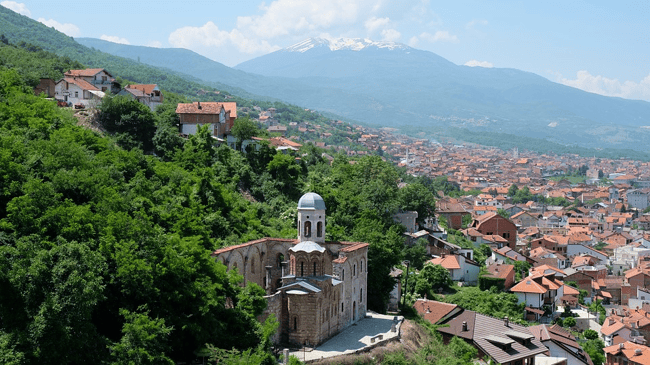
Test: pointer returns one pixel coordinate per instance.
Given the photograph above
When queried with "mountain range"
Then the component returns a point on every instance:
(379, 84)
(391, 84)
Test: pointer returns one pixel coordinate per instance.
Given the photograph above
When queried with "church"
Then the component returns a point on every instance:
(315, 288)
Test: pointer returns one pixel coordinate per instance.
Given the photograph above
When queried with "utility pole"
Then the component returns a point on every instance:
(406, 280)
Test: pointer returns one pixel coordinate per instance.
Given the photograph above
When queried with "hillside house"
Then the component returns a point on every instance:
(101, 79)
(147, 94)
(461, 268)
(78, 92)
(220, 117)
(494, 224)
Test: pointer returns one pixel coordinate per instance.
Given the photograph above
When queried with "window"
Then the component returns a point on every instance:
(506, 234)
(295, 323)
(343, 275)
(76, 94)
(280, 260)
(314, 269)
(341, 306)
(354, 270)
(302, 268)
(361, 296)
(307, 232)
(319, 229)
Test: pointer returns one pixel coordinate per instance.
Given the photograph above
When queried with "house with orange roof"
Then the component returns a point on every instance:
(77, 92)
(538, 291)
(502, 271)
(561, 343)
(494, 224)
(627, 353)
(220, 117)
(460, 267)
(612, 328)
(147, 94)
(101, 79)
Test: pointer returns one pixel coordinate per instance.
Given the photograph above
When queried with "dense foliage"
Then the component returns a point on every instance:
(489, 302)
(106, 249)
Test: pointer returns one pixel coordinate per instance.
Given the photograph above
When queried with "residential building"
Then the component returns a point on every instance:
(561, 343)
(147, 94)
(461, 268)
(494, 224)
(220, 117)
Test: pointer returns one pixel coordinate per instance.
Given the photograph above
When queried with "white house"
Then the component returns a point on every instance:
(77, 92)
(461, 268)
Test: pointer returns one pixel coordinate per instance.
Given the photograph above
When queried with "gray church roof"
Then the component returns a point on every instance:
(307, 246)
(311, 201)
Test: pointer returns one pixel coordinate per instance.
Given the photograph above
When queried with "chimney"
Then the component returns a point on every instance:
(637, 352)
(505, 321)
(611, 321)
(464, 326)
(198, 103)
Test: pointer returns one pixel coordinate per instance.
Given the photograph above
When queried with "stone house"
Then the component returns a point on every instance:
(314, 288)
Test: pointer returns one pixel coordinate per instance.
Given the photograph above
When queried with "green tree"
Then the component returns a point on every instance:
(590, 334)
(504, 213)
(416, 197)
(416, 254)
(431, 278)
(132, 122)
(244, 128)
(144, 340)
(512, 190)
(595, 350)
(569, 322)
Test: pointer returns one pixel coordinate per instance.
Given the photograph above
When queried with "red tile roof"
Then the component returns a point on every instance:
(432, 310)
(528, 285)
(89, 72)
(449, 262)
(83, 84)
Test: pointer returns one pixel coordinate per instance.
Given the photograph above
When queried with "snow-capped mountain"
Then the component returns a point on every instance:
(352, 44)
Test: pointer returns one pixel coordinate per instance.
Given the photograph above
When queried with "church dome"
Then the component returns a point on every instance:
(311, 201)
(307, 246)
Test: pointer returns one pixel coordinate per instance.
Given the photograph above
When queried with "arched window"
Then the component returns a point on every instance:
(319, 229)
(295, 323)
(341, 306)
(280, 260)
(302, 268)
(354, 270)
(343, 275)
(314, 268)
(361, 268)
(307, 232)
(361, 296)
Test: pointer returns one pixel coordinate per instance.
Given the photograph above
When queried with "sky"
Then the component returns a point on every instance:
(597, 46)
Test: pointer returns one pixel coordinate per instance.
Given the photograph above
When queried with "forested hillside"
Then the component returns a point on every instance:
(106, 249)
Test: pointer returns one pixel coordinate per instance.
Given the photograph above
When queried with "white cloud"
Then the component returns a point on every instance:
(67, 28)
(374, 23)
(19, 8)
(475, 63)
(476, 22)
(295, 17)
(114, 39)
(390, 35)
(414, 42)
(439, 36)
(609, 87)
(155, 44)
(209, 35)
